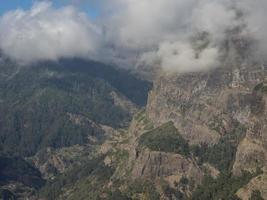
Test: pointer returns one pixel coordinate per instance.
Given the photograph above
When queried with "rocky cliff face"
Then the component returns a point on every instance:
(203, 128)
(207, 106)
(252, 150)
(204, 106)
(171, 167)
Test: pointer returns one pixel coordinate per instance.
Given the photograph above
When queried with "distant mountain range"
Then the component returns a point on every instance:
(79, 129)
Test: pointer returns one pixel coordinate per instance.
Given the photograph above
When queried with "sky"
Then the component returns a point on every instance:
(176, 35)
(13, 4)
(86, 6)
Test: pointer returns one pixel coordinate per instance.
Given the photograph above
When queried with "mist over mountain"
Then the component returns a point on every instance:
(167, 34)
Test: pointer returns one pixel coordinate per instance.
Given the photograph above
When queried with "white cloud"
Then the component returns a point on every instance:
(182, 58)
(46, 33)
(143, 24)
(153, 30)
(214, 17)
(133, 31)
(255, 20)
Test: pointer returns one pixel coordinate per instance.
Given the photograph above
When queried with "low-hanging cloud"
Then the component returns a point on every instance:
(46, 33)
(255, 20)
(160, 33)
(181, 57)
(179, 36)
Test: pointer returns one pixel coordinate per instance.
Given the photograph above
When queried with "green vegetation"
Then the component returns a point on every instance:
(184, 181)
(223, 187)
(256, 195)
(41, 104)
(169, 191)
(260, 88)
(54, 105)
(124, 81)
(119, 156)
(18, 170)
(142, 187)
(89, 181)
(7, 195)
(165, 138)
(257, 103)
(117, 195)
(142, 120)
(86, 178)
(135, 190)
(222, 154)
(140, 116)
(93, 186)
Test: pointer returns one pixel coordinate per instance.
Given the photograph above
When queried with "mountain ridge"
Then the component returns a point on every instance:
(201, 135)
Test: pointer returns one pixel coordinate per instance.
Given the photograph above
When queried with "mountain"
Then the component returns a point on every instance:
(202, 135)
(55, 105)
(63, 104)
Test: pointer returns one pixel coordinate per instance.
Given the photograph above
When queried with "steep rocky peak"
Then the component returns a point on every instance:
(208, 106)
(204, 105)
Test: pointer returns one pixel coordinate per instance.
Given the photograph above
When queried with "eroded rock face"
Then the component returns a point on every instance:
(257, 183)
(203, 112)
(250, 155)
(152, 165)
(157, 166)
(51, 162)
(206, 105)
(252, 151)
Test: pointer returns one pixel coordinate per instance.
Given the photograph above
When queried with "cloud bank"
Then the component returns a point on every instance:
(46, 33)
(161, 32)
(177, 35)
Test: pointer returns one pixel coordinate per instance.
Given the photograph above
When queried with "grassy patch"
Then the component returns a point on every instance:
(165, 138)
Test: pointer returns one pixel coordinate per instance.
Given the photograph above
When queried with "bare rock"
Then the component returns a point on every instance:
(152, 165)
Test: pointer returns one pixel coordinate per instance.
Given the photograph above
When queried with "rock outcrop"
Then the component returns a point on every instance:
(256, 184)
(153, 165)
(204, 106)
(51, 162)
